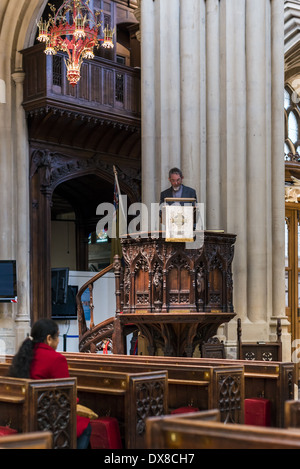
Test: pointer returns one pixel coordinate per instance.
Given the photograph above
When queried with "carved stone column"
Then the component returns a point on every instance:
(229, 90)
(278, 203)
(22, 213)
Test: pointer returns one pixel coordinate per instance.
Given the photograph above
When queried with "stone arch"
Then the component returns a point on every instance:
(48, 171)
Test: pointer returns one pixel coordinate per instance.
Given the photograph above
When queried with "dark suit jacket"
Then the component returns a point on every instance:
(187, 192)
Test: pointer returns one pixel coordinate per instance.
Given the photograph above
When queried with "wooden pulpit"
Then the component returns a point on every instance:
(176, 296)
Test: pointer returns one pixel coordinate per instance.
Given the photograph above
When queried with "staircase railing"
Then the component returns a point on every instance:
(99, 337)
(94, 337)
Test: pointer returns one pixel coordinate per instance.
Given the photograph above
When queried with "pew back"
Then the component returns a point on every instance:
(204, 387)
(129, 397)
(185, 433)
(272, 380)
(40, 405)
(122, 394)
(34, 440)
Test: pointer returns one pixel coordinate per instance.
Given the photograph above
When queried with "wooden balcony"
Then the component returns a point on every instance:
(106, 91)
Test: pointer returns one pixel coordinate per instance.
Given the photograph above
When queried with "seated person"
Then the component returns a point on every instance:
(37, 359)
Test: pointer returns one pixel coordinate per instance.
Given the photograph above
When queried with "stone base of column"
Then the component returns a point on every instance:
(7, 334)
(22, 330)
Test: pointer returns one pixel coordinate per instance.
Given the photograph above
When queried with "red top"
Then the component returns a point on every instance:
(49, 364)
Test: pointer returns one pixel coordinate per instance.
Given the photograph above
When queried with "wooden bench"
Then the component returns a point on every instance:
(40, 405)
(34, 440)
(182, 432)
(203, 387)
(272, 380)
(130, 397)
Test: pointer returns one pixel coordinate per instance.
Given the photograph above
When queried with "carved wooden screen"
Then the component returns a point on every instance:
(178, 283)
(142, 284)
(215, 294)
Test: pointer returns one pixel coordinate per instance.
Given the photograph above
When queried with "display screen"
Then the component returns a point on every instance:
(8, 281)
(67, 310)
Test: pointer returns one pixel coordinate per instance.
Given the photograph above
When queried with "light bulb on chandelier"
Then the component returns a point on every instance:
(74, 29)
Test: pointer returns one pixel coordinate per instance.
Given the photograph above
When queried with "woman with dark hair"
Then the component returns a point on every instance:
(37, 359)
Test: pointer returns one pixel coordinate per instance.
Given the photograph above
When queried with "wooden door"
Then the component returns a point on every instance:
(292, 269)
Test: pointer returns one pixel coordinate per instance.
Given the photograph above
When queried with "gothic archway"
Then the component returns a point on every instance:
(48, 171)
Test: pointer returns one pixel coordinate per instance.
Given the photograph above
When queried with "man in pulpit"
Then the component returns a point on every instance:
(177, 189)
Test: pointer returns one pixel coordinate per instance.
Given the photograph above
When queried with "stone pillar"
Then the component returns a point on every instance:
(277, 175)
(7, 213)
(150, 168)
(233, 137)
(190, 95)
(230, 105)
(173, 133)
(167, 77)
(213, 114)
(257, 153)
(22, 212)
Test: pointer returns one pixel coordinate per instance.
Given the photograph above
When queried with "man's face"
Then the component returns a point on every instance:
(175, 181)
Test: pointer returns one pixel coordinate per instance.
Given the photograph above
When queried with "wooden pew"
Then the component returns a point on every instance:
(271, 380)
(40, 405)
(203, 387)
(34, 440)
(131, 397)
(212, 415)
(201, 433)
(292, 414)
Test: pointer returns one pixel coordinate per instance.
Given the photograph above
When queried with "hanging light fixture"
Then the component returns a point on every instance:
(74, 29)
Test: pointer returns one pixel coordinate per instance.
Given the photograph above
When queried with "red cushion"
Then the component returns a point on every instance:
(7, 431)
(184, 410)
(105, 433)
(258, 412)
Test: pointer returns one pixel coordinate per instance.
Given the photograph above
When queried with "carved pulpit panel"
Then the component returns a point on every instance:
(176, 297)
(179, 287)
(215, 289)
(160, 276)
(141, 284)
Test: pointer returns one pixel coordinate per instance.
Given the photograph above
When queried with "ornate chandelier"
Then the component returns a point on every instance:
(74, 29)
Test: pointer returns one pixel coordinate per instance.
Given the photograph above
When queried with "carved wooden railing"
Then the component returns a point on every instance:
(99, 337)
(106, 89)
(96, 337)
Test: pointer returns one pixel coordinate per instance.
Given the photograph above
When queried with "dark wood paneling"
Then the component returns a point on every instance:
(93, 95)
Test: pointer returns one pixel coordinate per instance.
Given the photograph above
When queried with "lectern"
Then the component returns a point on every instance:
(176, 296)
